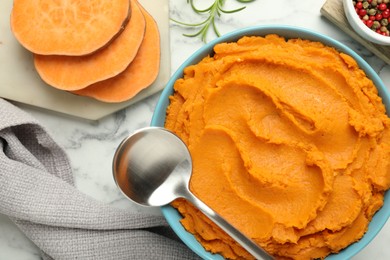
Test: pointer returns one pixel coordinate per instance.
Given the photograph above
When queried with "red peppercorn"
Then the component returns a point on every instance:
(362, 12)
(369, 23)
(381, 6)
(386, 13)
(375, 16)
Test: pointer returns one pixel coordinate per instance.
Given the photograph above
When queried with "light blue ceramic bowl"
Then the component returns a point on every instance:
(172, 215)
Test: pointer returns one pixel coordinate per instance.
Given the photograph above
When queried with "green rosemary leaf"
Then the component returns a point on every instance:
(194, 34)
(213, 11)
(190, 24)
(205, 30)
(198, 10)
(215, 29)
(232, 11)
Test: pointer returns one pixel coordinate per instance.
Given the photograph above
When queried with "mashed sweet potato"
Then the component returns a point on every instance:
(290, 143)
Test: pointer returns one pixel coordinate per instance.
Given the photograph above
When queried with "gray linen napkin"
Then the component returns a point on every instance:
(38, 194)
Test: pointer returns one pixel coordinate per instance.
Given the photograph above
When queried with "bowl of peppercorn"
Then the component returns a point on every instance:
(370, 19)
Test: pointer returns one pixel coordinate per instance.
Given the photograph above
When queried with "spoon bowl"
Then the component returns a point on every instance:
(153, 167)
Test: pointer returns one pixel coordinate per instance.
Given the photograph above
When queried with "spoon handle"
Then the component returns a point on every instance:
(237, 235)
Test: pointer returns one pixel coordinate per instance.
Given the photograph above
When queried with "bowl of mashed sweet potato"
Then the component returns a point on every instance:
(290, 142)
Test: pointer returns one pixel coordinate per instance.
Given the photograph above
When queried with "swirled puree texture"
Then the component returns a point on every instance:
(290, 143)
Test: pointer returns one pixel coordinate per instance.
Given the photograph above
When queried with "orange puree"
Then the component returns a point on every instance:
(290, 143)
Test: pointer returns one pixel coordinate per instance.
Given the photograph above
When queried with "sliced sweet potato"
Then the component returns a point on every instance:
(77, 72)
(140, 74)
(67, 27)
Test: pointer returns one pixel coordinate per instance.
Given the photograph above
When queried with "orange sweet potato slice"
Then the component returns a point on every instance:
(67, 27)
(77, 72)
(140, 74)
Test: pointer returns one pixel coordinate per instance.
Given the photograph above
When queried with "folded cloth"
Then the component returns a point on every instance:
(37, 192)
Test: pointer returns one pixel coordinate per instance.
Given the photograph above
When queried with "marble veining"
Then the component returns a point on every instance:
(91, 145)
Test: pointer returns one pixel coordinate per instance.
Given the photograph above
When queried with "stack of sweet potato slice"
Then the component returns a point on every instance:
(108, 50)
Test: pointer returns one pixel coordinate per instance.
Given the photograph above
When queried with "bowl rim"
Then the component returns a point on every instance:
(362, 29)
(158, 119)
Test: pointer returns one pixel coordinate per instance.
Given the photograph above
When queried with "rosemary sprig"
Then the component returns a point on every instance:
(214, 10)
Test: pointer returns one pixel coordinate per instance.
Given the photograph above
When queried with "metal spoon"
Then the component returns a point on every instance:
(153, 167)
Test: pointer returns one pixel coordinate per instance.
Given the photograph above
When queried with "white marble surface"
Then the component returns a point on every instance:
(90, 145)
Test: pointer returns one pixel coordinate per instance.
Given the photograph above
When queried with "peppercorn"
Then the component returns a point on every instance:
(362, 12)
(369, 23)
(371, 11)
(382, 6)
(375, 25)
(375, 14)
